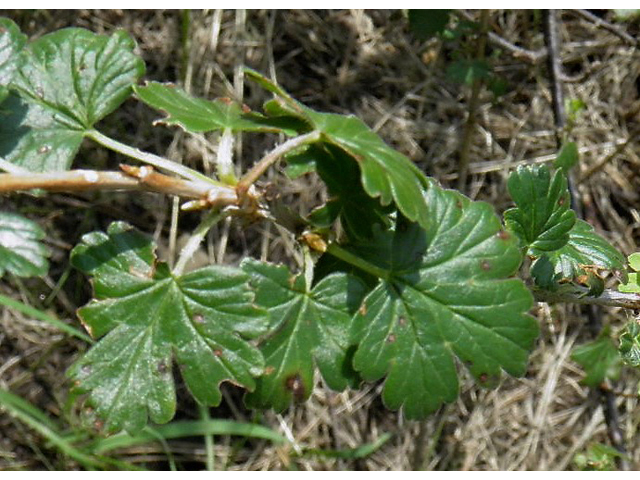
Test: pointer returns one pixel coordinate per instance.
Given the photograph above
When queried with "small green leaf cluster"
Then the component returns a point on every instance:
(565, 250)
(463, 68)
(633, 281)
(598, 457)
(630, 344)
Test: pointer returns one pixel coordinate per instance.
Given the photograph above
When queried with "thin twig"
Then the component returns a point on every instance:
(552, 40)
(474, 103)
(601, 23)
(609, 298)
(600, 165)
(518, 52)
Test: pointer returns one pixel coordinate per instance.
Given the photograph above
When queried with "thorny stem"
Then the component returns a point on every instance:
(272, 157)
(198, 235)
(148, 158)
(89, 180)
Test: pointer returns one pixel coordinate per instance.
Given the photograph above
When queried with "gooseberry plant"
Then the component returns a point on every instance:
(402, 280)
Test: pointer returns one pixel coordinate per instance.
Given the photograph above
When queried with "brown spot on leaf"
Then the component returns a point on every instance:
(561, 201)
(98, 425)
(198, 319)
(269, 369)
(503, 235)
(391, 338)
(162, 368)
(295, 385)
(402, 321)
(226, 100)
(485, 265)
(246, 108)
(44, 149)
(217, 352)
(483, 377)
(363, 309)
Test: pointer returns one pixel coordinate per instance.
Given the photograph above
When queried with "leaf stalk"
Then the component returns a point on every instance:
(346, 256)
(272, 157)
(148, 158)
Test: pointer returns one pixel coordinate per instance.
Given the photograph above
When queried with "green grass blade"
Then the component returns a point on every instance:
(43, 317)
(352, 453)
(188, 428)
(38, 421)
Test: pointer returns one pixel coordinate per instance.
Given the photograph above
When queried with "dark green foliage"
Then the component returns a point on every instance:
(21, 251)
(148, 317)
(424, 24)
(66, 81)
(542, 218)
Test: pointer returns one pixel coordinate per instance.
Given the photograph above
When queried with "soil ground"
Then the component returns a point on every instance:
(366, 63)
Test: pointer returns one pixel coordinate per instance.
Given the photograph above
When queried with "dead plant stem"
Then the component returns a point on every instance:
(474, 103)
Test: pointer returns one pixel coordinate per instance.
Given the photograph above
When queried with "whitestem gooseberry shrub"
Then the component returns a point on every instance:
(419, 276)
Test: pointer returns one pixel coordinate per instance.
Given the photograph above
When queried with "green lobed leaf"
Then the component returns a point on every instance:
(199, 115)
(149, 317)
(67, 81)
(32, 137)
(585, 248)
(542, 217)
(599, 359)
(384, 172)
(447, 295)
(79, 74)
(21, 251)
(308, 326)
(11, 42)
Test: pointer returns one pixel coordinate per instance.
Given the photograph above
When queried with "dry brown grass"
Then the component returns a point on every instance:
(361, 62)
